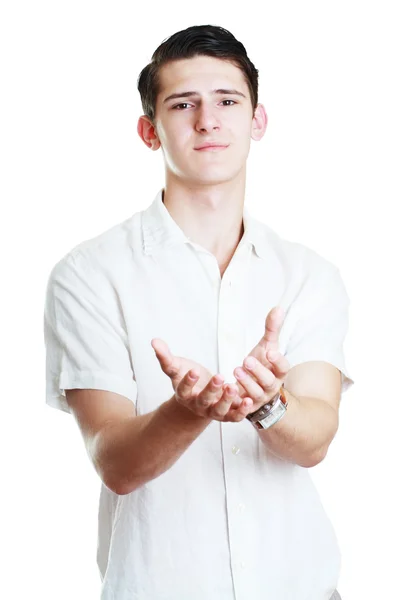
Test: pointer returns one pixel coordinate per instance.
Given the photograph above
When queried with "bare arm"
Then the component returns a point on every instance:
(305, 432)
(129, 450)
(313, 391)
(127, 454)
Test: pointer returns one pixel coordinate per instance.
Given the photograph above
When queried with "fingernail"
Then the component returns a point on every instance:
(249, 362)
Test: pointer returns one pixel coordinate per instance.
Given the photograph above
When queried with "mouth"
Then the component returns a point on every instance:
(211, 148)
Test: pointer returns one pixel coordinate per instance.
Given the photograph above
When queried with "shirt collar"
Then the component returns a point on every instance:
(159, 229)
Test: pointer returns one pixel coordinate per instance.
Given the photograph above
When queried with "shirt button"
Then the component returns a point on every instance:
(242, 564)
(235, 450)
(241, 507)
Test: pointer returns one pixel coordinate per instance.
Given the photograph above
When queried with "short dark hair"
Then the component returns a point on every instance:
(199, 40)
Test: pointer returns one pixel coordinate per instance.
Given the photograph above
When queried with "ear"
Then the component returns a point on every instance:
(259, 124)
(147, 132)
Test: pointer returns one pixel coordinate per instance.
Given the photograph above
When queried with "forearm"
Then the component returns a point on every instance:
(303, 434)
(140, 449)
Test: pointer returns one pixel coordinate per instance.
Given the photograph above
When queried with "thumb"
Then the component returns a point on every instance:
(273, 326)
(168, 362)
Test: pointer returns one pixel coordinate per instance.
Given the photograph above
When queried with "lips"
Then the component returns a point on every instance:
(211, 146)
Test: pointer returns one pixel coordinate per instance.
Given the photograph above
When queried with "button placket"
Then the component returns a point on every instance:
(231, 343)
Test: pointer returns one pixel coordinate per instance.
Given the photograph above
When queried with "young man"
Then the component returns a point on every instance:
(203, 458)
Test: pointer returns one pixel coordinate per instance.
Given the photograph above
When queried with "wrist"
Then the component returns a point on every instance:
(271, 412)
(177, 413)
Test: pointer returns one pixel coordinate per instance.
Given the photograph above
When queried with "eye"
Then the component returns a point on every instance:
(176, 107)
(182, 104)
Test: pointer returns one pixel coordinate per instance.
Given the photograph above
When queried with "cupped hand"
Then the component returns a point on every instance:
(269, 343)
(198, 390)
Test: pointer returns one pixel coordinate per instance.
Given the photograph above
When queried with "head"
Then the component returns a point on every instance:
(203, 59)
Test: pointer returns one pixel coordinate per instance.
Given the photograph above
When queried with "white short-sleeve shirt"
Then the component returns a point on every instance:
(229, 520)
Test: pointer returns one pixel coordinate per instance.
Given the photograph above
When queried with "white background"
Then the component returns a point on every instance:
(325, 174)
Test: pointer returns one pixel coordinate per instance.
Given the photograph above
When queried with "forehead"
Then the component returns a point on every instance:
(202, 73)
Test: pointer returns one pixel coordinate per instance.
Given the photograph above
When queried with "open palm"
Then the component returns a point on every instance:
(268, 342)
(176, 367)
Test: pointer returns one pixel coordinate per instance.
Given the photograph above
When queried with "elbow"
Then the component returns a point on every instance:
(318, 455)
(120, 487)
(110, 471)
(109, 479)
(314, 459)
(115, 487)
(122, 491)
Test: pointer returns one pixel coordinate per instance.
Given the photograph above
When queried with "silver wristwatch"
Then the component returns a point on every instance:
(270, 413)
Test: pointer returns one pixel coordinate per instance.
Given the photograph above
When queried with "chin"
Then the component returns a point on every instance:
(212, 172)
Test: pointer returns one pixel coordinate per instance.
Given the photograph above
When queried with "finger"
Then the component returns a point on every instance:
(280, 364)
(184, 390)
(238, 397)
(220, 408)
(238, 414)
(241, 390)
(273, 325)
(169, 363)
(210, 394)
(257, 381)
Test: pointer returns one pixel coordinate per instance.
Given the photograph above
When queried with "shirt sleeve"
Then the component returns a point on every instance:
(322, 323)
(85, 338)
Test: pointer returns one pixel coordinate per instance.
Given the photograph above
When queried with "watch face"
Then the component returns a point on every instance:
(271, 412)
(278, 411)
(261, 413)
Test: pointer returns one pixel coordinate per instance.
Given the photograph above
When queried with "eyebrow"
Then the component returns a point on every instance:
(219, 92)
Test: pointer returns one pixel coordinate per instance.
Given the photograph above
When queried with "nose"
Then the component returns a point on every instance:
(207, 119)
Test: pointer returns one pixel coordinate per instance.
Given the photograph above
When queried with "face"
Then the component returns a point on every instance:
(183, 124)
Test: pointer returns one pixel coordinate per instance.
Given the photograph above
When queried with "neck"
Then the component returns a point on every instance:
(210, 216)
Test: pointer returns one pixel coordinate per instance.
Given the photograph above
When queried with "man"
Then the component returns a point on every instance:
(206, 493)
